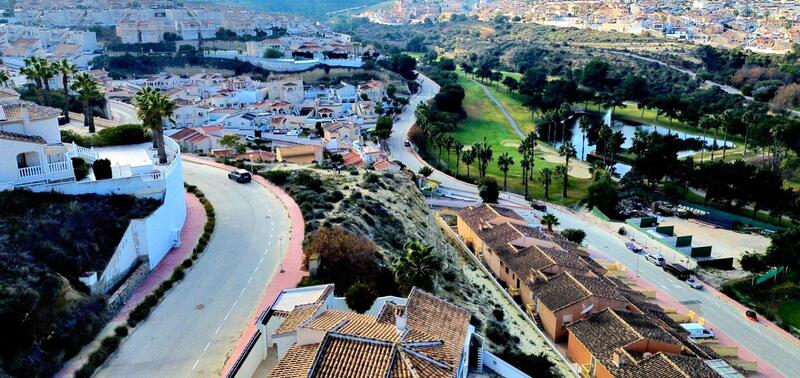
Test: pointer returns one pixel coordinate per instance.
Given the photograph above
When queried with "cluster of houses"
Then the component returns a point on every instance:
(332, 118)
(313, 333)
(609, 328)
(767, 26)
(18, 42)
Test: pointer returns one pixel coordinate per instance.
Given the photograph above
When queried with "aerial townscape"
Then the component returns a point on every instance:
(406, 188)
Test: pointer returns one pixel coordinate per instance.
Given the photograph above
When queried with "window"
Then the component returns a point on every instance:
(567, 319)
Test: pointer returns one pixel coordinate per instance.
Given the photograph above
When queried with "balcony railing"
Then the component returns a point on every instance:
(31, 171)
(61, 166)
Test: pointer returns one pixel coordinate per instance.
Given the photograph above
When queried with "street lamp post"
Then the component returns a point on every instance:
(280, 246)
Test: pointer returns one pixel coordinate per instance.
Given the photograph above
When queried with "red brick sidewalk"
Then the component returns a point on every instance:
(190, 234)
(292, 261)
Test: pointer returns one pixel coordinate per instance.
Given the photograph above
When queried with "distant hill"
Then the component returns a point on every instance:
(311, 8)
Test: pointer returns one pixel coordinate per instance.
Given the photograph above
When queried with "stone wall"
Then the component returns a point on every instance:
(121, 295)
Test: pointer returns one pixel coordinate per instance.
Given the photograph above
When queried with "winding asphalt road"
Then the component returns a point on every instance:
(194, 329)
(779, 351)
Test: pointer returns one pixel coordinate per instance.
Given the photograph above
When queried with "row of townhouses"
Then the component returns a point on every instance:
(609, 329)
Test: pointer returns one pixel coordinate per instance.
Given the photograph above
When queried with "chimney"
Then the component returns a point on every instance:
(618, 358)
(400, 322)
(26, 116)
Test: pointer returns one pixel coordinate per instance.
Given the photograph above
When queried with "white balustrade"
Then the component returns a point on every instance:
(61, 166)
(31, 171)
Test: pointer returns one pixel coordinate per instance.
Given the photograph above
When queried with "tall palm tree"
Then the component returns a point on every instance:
(714, 123)
(416, 267)
(584, 123)
(567, 150)
(728, 118)
(504, 162)
(47, 72)
(33, 70)
(165, 109)
(546, 178)
(458, 148)
(525, 163)
(153, 108)
(705, 123)
(748, 118)
(88, 91)
(468, 157)
(4, 79)
(563, 172)
(549, 221)
(66, 69)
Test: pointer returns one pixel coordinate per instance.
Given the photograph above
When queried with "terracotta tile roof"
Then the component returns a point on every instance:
(357, 345)
(297, 316)
(342, 357)
(184, 133)
(385, 164)
(14, 111)
(442, 320)
(389, 312)
(560, 291)
(352, 158)
(8, 93)
(609, 331)
(296, 362)
(22, 137)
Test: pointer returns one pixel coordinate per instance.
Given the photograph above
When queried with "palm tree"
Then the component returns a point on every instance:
(563, 172)
(4, 79)
(458, 148)
(705, 123)
(468, 156)
(549, 221)
(584, 122)
(546, 178)
(66, 69)
(88, 91)
(47, 72)
(748, 118)
(449, 143)
(34, 72)
(483, 152)
(714, 121)
(504, 162)
(417, 267)
(153, 108)
(567, 150)
(525, 163)
(727, 119)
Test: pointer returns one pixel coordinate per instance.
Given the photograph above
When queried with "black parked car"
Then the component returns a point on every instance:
(678, 270)
(240, 175)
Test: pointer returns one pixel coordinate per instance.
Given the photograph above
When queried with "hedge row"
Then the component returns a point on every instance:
(110, 344)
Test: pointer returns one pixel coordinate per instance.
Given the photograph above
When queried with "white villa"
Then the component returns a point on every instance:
(33, 157)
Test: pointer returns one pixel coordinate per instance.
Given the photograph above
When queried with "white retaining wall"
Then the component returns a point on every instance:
(501, 367)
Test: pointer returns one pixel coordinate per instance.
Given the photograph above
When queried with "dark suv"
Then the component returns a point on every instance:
(677, 270)
(240, 175)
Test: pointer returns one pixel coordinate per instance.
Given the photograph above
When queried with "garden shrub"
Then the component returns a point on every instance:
(102, 169)
(277, 176)
(80, 167)
(360, 297)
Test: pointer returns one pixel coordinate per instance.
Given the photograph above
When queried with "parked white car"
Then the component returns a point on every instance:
(698, 331)
(658, 260)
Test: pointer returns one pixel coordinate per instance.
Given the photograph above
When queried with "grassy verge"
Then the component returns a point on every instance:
(485, 120)
(110, 344)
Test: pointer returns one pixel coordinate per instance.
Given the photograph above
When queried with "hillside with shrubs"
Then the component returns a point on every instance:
(47, 242)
